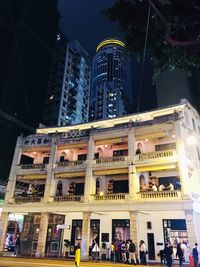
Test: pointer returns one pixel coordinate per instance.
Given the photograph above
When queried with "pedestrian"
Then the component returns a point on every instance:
(112, 252)
(168, 252)
(95, 249)
(180, 254)
(17, 245)
(195, 254)
(123, 251)
(78, 255)
(162, 257)
(132, 251)
(143, 252)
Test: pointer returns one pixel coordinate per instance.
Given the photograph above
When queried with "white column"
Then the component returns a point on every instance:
(133, 228)
(88, 174)
(131, 144)
(85, 236)
(191, 230)
(3, 230)
(182, 161)
(40, 253)
(12, 177)
(132, 177)
(50, 182)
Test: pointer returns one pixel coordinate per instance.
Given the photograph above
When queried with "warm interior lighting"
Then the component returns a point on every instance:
(146, 139)
(101, 193)
(173, 136)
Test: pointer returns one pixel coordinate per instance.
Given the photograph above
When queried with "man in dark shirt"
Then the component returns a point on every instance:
(168, 252)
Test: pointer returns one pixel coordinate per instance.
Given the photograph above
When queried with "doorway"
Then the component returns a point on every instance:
(151, 246)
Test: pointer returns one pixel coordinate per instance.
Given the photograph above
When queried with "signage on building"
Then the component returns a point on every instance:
(37, 140)
(74, 136)
(63, 226)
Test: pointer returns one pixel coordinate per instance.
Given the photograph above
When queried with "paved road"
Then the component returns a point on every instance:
(32, 262)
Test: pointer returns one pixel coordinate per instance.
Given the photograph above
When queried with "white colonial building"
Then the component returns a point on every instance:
(134, 177)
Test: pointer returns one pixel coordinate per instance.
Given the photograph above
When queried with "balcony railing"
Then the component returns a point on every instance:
(155, 155)
(162, 194)
(109, 161)
(117, 196)
(41, 166)
(76, 163)
(67, 198)
(27, 199)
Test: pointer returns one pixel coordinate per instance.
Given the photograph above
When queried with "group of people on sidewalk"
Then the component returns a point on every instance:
(125, 252)
(121, 251)
(167, 254)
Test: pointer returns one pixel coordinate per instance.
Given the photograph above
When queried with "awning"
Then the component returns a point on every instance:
(111, 171)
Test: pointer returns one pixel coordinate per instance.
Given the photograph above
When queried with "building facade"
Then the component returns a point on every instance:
(67, 100)
(98, 180)
(111, 94)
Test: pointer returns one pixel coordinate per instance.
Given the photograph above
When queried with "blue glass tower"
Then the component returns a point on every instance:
(111, 81)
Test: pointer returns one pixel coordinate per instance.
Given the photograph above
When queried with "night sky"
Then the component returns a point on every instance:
(83, 20)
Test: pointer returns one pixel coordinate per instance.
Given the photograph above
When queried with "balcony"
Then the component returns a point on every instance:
(160, 195)
(27, 199)
(68, 198)
(112, 161)
(156, 155)
(118, 196)
(40, 166)
(78, 164)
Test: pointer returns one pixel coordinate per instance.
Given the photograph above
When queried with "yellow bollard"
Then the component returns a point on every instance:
(78, 255)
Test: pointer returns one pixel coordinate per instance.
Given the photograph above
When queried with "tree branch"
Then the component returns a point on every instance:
(174, 42)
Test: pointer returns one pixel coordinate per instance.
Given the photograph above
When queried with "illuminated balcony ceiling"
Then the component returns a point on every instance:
(69, 175)
(32, 177)
(111, 171)
(156, 167)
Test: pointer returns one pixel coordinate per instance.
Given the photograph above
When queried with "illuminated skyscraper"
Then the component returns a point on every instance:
(111, 81)
(68, 94)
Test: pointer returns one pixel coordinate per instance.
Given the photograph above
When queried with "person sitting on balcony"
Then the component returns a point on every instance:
(138, 149)
(33, 189)
(171, 187)
(154, 188)
(161, 187)
(145, 187)
(71, 190)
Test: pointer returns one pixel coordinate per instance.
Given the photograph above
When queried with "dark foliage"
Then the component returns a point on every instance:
(173, 32)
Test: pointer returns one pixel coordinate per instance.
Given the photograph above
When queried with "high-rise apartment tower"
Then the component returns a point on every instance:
(68, 95)
(111, 81)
